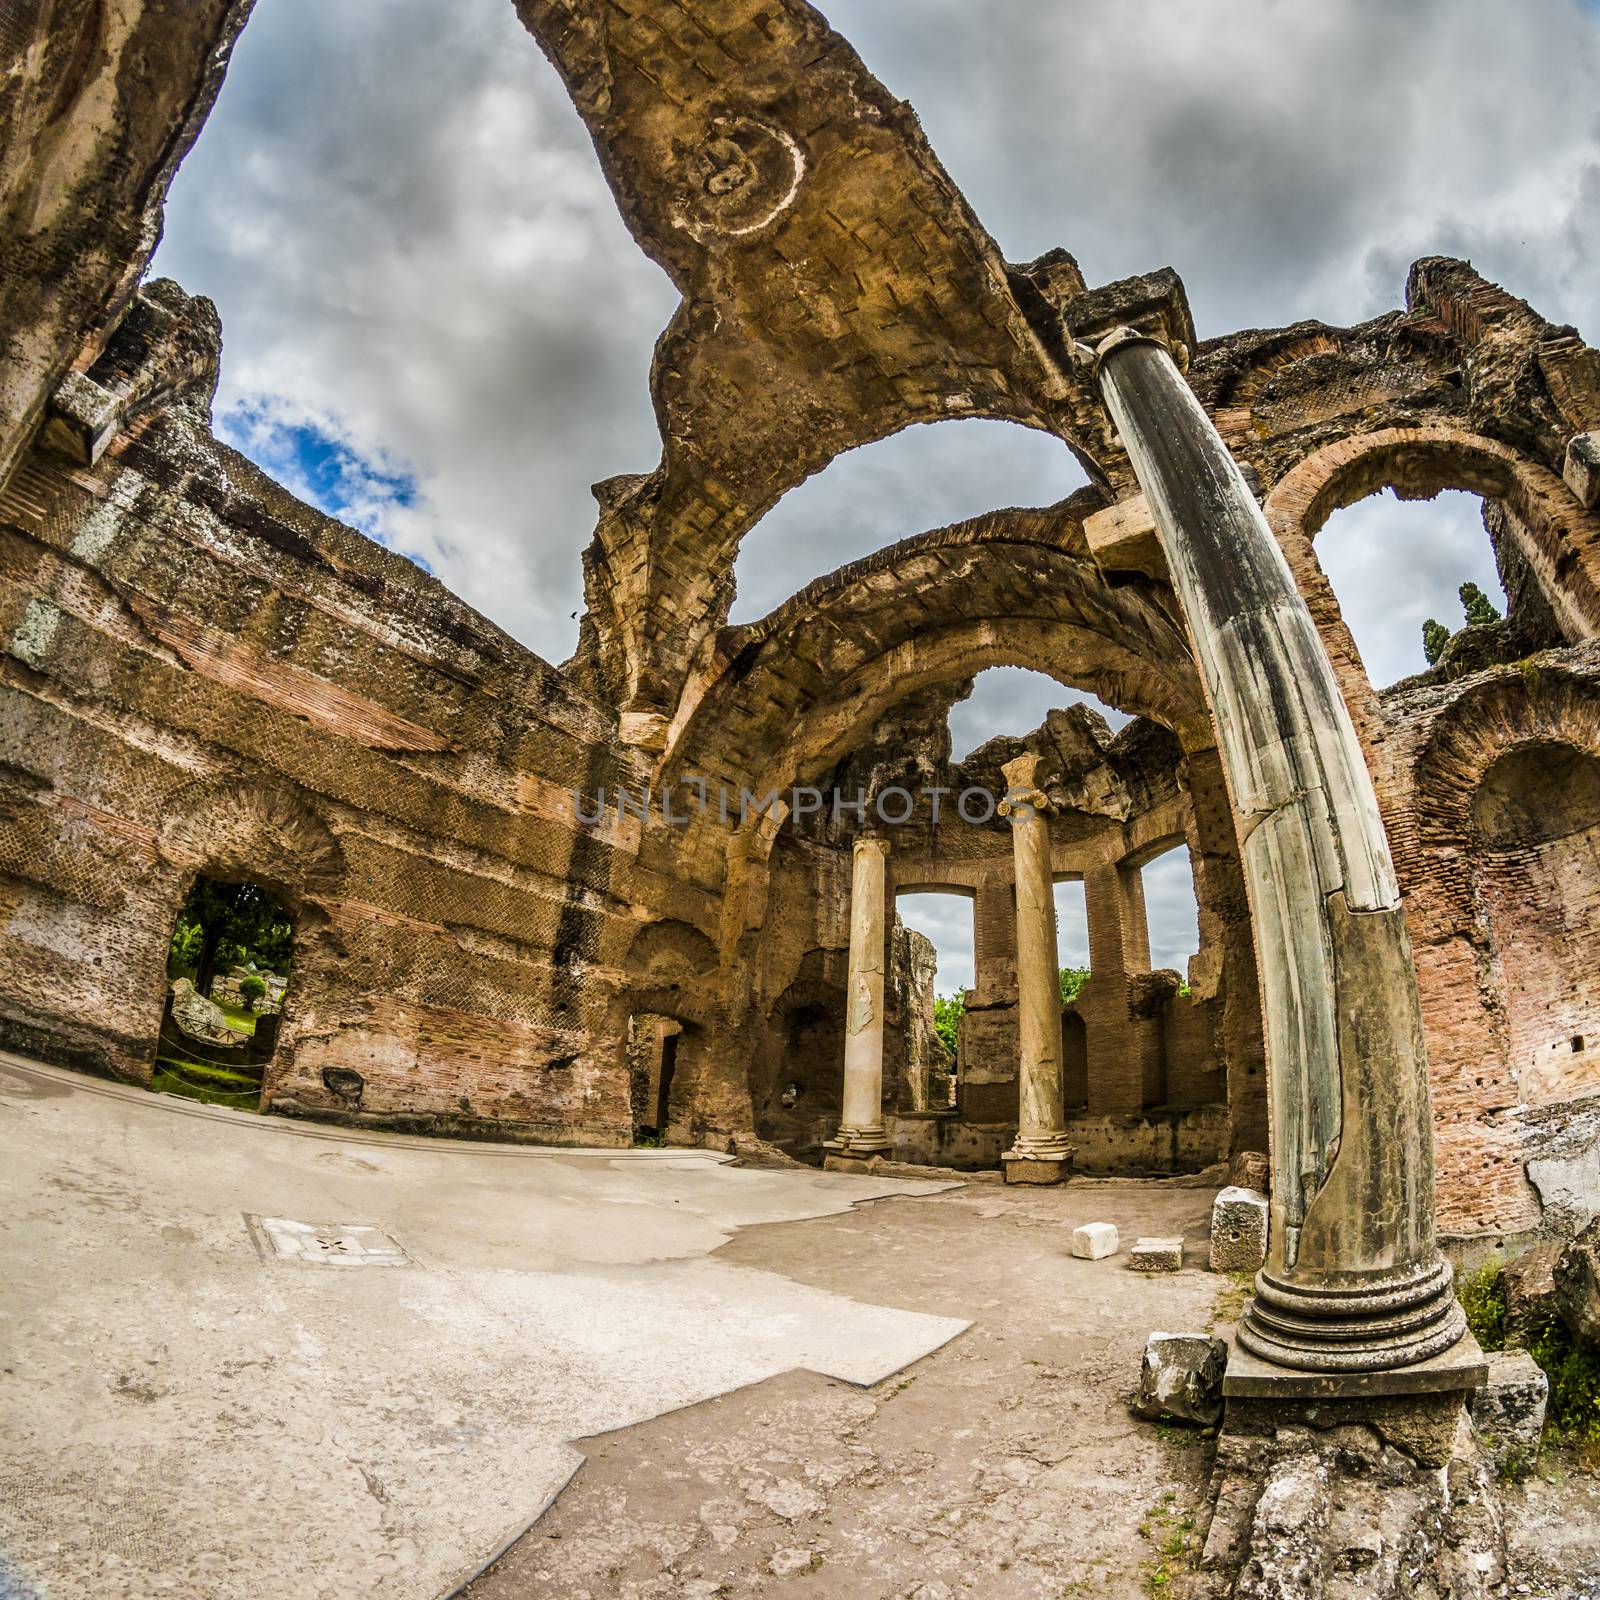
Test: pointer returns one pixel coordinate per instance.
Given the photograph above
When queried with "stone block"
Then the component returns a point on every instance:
(1581, 470)
(1095, 1240)
(1238, 1230)
(1156, 1255)
(1250, 1169)
(1182, 1378)
(1508, 1411)
(1530, 1290)
(1577, 1284)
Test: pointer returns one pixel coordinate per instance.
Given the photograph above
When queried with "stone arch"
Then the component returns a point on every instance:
(670, 952)
(1558, 540)
(252, 830)
(1009, 589)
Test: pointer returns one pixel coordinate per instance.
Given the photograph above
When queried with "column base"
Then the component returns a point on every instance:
(854, 1143)
(1366, 1327)
(1038, 1158)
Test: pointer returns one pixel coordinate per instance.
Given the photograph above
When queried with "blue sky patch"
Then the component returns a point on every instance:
(323, 470)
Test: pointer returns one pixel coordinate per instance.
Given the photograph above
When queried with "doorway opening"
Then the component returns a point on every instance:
(228, 973)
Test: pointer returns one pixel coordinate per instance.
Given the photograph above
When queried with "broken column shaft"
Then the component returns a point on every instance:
(1354, 1281)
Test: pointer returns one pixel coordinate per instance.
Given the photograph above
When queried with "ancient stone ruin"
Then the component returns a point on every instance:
(589, 902)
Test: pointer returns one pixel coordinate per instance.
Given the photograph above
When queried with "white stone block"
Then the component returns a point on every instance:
(1095, 1240)
(1238, 1230)
(1156, 1255)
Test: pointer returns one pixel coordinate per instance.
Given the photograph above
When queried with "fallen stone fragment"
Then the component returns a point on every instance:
(1095, 1240)
(1509, 1411)
(1238, 1230)
(1250, 1170)
(1529, 1286)
(1577, 1284)
(1182, 1378)
(1156, 1255)
(201, 1018)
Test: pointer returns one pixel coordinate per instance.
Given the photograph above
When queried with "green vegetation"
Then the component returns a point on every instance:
(1168, 1526)
(1483, 1298)
(1571, 1364)
(252, 987)
(947, 1009)
(198, 1080)
(240, 1017)
(224, 923)
(1072, 982)
(1477, 605)
(1478, 609)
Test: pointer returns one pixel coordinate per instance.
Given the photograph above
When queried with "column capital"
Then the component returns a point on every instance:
(1024, 796)
(870, 841)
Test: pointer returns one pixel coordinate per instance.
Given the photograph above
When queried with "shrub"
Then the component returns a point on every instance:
(252, 987)
(1483, 1298)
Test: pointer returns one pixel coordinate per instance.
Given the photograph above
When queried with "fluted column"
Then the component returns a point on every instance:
(1354, 1281)
(861, 1131)
(1041, 1153)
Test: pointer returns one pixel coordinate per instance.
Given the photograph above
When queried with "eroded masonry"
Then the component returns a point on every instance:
(207, 678)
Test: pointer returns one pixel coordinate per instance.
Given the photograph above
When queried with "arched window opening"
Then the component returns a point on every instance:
(1016, 700)
(1410, 575)
(1072, 951)
(1536, 824)
(931, 971)
(1172, 914)
(926, 476)
(228, 970)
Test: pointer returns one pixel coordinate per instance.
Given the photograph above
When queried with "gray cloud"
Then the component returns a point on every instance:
(414, 252)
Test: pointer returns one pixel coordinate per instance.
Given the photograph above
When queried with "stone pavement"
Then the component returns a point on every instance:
(186, 1411)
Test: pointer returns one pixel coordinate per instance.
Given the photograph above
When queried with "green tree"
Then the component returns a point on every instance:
(1477, 605)
(947, 1009)
(1072, 982)
(228, 922)
(252, 987)
(1435, 636)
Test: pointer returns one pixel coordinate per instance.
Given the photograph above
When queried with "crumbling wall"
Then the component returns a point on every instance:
(201, 674)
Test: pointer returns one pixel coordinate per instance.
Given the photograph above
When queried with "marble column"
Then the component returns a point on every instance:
(861, 1132)
(1354, 1282)
(1041, 1153)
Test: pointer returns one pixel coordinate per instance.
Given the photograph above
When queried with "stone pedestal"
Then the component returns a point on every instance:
(861, 1132)
(1040, 1153)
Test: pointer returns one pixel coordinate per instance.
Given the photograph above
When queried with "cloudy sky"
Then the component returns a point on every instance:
(437, 328)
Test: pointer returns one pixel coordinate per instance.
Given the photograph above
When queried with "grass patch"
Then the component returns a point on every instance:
(241, 1017)
(198, 1080)
(1169, 1527)
(1229, 1304)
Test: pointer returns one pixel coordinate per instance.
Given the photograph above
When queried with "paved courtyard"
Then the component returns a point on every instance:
(246, 1357)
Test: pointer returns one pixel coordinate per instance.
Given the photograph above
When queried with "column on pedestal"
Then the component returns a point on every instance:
(1354, 1280)
(861, 1132)
(1041, 1152)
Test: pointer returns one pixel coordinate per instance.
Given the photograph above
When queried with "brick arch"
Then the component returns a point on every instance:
(1559, 540)
(256, 831)
(1510, 712)
(789, 694)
